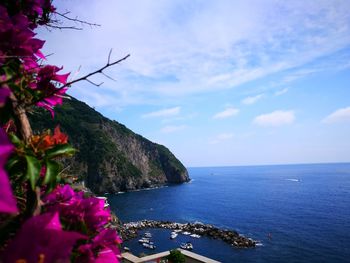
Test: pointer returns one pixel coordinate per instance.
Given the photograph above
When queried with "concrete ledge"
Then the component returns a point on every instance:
(197, 257)
(191, 257)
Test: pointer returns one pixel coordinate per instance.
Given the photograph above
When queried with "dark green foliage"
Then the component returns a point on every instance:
(176, 257)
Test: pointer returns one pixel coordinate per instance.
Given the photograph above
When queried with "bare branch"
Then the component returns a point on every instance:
(104, 74)
(95, 72)
(64, 15)
(86, 78)
(64, 27)
(109, 55)
(93, 83)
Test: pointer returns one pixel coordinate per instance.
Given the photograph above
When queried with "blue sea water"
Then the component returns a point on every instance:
(304, 208)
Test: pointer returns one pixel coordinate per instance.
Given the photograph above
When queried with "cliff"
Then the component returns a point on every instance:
(111, 157)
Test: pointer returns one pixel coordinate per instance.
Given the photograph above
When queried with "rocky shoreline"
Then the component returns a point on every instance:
(130, 231)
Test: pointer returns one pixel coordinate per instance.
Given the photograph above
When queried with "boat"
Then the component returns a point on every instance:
(173, 235)
(187, 246)
(186, 233)
(195, 236)
(177, 230)
(150, 246)
(144, 240)
(148, 235)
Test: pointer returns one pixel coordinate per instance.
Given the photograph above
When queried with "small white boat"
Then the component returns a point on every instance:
(173, 235)
(150, 246)
(148, 235)
(144, 240)
(187, 246)
(177, 230)
(195, 236)
(186, 233)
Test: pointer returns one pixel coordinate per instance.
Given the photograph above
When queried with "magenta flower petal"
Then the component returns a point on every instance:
(106, 256)
(41, 239)
(60, 194)
(104, 245)
(108, 238)
(40, 54)
(61, 78)
(7, 200)
(4, 93)
(47, 107)
(96, 215)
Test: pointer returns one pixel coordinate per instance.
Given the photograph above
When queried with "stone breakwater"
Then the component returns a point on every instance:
(130, 230)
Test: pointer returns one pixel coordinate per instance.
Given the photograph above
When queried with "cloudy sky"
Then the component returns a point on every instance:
(218, 82)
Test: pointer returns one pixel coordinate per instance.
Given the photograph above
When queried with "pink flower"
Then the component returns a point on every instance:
(106, 256)
(48, 73)
(104, 245)
(4, 93)
(60, 194)
(54, 97)
(41, 239)
(96, 215)
(16, 37)
(7, 200)
(76, 210)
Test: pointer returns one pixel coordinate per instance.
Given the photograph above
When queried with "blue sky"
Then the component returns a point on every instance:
(218, 82)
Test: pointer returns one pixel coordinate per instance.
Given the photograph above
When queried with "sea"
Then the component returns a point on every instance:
(300, 213)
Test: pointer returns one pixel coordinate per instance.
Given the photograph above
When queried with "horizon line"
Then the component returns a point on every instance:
(281, 164)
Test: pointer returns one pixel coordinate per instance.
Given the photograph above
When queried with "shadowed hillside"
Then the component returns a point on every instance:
(111, 157)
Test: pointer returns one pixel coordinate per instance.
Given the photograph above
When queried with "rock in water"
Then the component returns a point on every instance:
(111, 157)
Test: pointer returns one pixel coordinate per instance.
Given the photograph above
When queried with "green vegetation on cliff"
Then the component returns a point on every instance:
(111, 157)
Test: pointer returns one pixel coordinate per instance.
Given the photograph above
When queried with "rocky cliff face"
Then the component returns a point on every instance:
(111, 157)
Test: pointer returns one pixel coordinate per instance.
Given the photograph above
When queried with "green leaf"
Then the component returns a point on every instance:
(59, 150)
(15, 140)
(51, 175)
(33, 170)
(12, 162)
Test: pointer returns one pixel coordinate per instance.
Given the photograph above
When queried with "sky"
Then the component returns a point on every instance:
(217, 82)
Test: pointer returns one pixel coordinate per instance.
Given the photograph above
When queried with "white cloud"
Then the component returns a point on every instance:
(229, 112)
(222, 137)
(340, 115)
(171, 54)
(252, 100)
(275, 118)
(173, 128)
(163, 113)
(281, 92)
(182, 118)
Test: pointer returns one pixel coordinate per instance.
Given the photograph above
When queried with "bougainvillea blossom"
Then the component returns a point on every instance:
(96, 215)
(4, 93)
(41, 239)
(17, 39)
(53, 95)
(104, 245)
(74, 208)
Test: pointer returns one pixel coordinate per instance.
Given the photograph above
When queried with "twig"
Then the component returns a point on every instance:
(64, 15)
(95, 72)
(64, 27)
(86, 78)
(93, 83)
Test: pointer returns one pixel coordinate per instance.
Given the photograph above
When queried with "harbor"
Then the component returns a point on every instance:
(193, 230)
